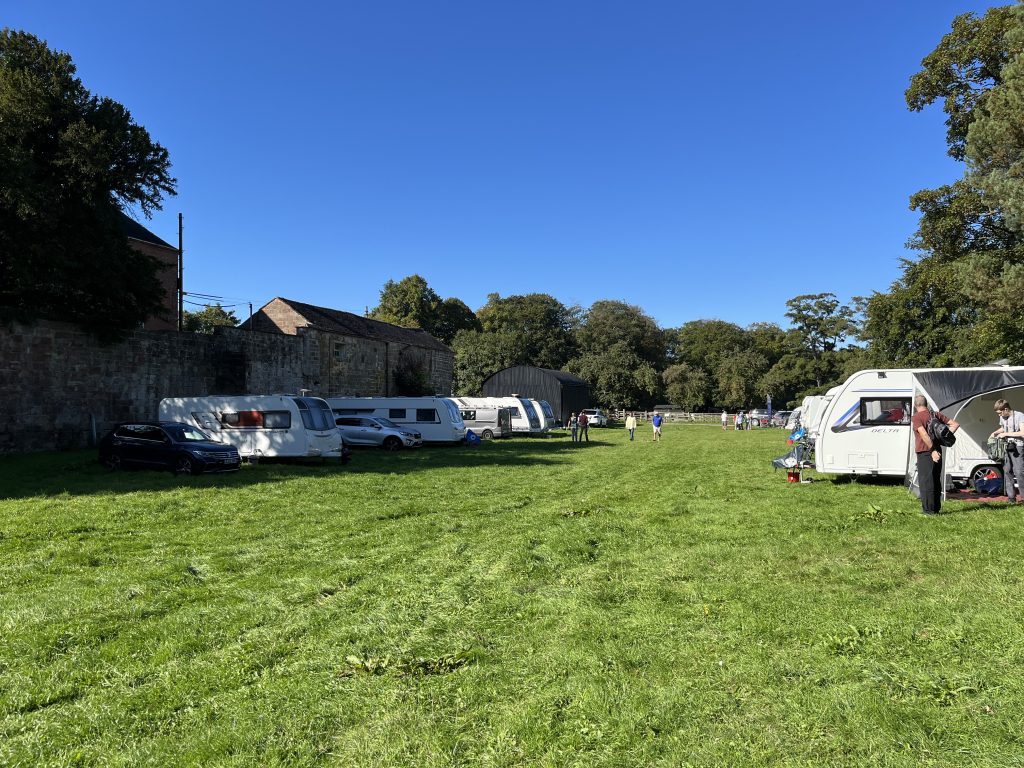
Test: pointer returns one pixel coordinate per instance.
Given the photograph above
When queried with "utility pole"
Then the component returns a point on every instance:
(181, 278)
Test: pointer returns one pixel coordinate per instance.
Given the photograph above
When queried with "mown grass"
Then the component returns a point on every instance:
(529, 602)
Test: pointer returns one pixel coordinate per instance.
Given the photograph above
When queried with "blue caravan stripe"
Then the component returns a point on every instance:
(845, 416)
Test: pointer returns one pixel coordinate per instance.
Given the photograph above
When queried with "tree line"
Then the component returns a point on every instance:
(629, 361)
(71, 162)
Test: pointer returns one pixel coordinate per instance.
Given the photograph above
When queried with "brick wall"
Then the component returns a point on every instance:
(166, 319)
(56, 381)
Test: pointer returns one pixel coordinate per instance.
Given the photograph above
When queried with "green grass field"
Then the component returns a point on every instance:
(529, 602)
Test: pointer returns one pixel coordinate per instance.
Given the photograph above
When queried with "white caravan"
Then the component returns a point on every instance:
(864, 428)
(436, 418)
(812, 409)
(275, 426)
(524, 415)
(544, 414)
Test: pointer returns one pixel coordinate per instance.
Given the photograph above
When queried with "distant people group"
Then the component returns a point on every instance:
(579, 426)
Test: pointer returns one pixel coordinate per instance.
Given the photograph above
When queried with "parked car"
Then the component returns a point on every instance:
(596, 417)
(758, 417)
(377, 431)
(779, 418)
(168, 445)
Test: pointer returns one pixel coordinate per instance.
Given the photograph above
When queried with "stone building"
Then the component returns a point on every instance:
(361, 357)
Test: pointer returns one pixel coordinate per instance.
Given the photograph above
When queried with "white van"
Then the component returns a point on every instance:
(864, 427)
(435, 418)
(278, 426)
(488, 422)
(524, 416)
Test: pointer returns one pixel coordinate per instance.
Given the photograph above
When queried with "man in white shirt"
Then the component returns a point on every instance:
(1011, 424)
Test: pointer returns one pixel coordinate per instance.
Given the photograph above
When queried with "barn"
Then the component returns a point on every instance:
(564, 392)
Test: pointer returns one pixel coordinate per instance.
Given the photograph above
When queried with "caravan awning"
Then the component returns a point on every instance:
(947, 387)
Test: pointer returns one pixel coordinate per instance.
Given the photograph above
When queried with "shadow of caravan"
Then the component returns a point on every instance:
(271, 426)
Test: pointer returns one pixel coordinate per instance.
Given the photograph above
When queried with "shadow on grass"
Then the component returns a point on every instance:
(78, 473)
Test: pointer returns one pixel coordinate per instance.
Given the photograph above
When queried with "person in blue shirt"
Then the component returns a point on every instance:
(656, 423)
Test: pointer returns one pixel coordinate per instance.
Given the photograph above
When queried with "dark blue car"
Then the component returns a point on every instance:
(166, 445)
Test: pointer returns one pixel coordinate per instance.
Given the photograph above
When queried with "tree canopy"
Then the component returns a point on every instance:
(412, 303)
(955, 304)
(208, 318)
(70, 164)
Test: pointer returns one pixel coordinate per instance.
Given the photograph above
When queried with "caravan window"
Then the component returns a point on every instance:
(242, 419)
(453, 412)
(277, 420)
(426, 414)
(316, 414)
(256, 419)
(396, 413)
(876, 411)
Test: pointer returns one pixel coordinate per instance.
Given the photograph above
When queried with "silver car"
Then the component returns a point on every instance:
(377, 431)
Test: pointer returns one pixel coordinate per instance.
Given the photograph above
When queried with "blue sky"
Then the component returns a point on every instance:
(698, 160)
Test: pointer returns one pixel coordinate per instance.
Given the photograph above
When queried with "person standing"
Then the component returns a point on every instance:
(929, 455)
(739, 420)
(573, 425)
(584, 423)
(1011, 427)
(631, 426)
(656, 423)
(725, 420)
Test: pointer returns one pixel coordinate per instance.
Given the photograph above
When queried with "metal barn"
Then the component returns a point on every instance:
(564, 392)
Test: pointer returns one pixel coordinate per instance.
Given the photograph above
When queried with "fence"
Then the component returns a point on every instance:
(675, 417)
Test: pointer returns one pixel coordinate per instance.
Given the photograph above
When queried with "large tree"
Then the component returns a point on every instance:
(686, 386)
(540, 326)
(411, 303)
(70, 164)
(950, 305)
(618, 376)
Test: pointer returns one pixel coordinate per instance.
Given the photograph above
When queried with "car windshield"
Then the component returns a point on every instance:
(186, 434)
(386, 422)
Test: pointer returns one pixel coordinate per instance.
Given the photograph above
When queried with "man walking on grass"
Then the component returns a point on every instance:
(656, 423)
(631, 426)
(929, 455)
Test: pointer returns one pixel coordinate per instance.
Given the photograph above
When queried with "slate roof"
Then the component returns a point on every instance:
(348, 324)
(136, 231)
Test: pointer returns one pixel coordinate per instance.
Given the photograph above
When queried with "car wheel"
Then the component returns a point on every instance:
(113, 462)
(184, 465)
(392, 444)
(981, 473)
(487, 434)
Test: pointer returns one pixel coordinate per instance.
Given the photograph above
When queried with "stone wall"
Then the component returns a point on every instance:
(58, 385)
(354, 367)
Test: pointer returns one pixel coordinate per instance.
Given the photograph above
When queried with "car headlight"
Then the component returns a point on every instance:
(204, 454)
